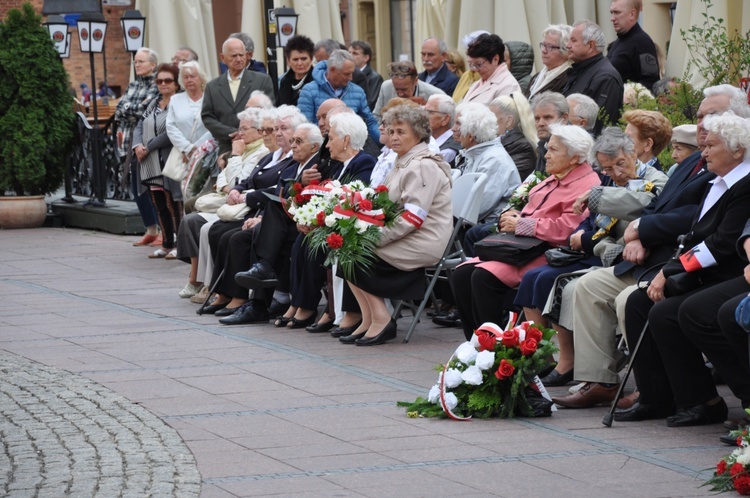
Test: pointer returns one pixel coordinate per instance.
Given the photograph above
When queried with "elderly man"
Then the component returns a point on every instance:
(252, 64)
(184, 54)
(600, 296)
(442, 112)
(436, 72)
(591, 73)
(362, 53)
(583, 111)
(404, 84)
(323, 50)
(548, 108)
(227, 95)
(332, 79)
(633, 54)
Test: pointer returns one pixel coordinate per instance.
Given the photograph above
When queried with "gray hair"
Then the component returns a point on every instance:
(516, 106)
(351, 125)
(575, 139)
(313, 133)
(415, 117)
(296, 118)
(586, 108)
(329, 45)
(737, 98)
(562, 31)
(733, 130)
(442, 46)
(477, 121)
(193, 55)
(610, 143)
(153, 57)
(252, 114)
(193, 67)
(246, 41)
(271, 114)
(445, 104)
(263, 100)
(338, 57)
(592, 32)
(557, 100)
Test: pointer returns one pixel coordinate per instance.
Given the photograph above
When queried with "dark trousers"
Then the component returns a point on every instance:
(143, 201)
(480, 297)
(233, 254)
(169, 213)
(474, 235)
(307, 275)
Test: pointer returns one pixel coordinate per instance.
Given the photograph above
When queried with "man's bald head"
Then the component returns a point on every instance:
(323, 110)
(233, 55)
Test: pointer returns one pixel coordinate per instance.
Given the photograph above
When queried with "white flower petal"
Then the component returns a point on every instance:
(472, 376)
(485, 360)
(466, 353)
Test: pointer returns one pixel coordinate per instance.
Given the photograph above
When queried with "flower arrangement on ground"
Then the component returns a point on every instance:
(493, 375)
(733, 471)
(347, 220)
(520, 197)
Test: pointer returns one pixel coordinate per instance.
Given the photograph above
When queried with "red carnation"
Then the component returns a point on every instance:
(320, 218)
(381, 188)
(721, 467)
(736, 468)
(365, 205)
(299, 199)
(505, 370)
(307, 197)
(742, 484)
(486, 340)
(314, 182)
(534, 333)
(528, 347)
(297, 187)
(335, 241)
(510, 338)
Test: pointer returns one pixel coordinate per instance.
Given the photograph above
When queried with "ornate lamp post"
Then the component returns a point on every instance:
(133, 31)
(58, 32)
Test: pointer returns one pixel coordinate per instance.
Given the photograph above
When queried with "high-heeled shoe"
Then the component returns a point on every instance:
(296, 323)
(344, 331)
(211, 308)
(388, 333)
(352, 338)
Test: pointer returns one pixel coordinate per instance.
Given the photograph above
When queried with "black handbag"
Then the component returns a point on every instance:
(681, 283)
(563, 256)
(509, 248)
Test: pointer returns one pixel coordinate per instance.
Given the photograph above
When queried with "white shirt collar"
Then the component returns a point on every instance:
(444, 137)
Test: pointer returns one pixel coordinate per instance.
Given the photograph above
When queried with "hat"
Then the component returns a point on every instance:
(685, 134)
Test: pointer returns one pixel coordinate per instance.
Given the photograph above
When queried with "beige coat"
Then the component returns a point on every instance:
(500, 83)
(421, 182)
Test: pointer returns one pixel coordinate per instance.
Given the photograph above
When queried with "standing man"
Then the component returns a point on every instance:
(591, 73)
(362, 53)
(404, 84)
(323, 50)
(633, 54)
(436, 72)
(251, 63)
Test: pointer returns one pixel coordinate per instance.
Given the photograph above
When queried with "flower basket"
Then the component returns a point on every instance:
(496, 374)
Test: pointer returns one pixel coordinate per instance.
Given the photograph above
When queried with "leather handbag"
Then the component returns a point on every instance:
(563, 256)
(509, 248)
(681, 283)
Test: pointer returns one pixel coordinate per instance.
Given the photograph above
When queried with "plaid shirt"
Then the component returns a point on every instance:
(131, 107)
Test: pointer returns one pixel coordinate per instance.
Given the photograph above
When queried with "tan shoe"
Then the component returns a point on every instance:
(591, 394)
(628, 401)
(200, 296)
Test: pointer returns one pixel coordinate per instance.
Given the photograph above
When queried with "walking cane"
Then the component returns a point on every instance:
(210, 292)
(607, 420)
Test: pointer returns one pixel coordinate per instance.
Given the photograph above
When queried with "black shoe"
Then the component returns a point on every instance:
(555, 378)
(248, 313)
(388, 333)
(301, 324)
(211, 309)
(352, 338)
(277, 308)
(344, 331)
(729, 440)
(260, 276)
(319, 328)
(450, 319)
(699, 415)
(227, 311)
(640, 411)
(737, 423)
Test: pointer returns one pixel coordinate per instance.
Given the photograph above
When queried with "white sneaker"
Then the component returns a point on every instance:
(189, 290)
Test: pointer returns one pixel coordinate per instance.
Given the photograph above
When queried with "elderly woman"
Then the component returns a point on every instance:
(139, 94)
(476, 127)
(479, 287)
(485, 56)
(670, 369)
(299, 56)
(184, 125)
(627, 187)
(420, 183)
(455, 62)
(651, 132)
(152, 147)
(553, 76)
(515, 127)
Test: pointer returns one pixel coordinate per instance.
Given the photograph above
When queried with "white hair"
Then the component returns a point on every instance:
(468, 39)
(313, 133)
(263, 100)
(737, 98)
(592, 32)
(252, 114)
(575, 139)
(442, 46)
(586, 108)
(296, 118)
(733, 130)
(269, 114)
(349, 124)
(477, 121)
(445, 104)
(153, 57)
(193, 67)
(562, 31)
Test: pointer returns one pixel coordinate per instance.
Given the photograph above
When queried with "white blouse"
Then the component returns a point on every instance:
(184, 113)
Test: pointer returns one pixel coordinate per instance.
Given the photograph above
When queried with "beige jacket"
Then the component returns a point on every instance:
(420, 183)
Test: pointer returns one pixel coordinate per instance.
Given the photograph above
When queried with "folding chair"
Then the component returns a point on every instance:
(466, 198)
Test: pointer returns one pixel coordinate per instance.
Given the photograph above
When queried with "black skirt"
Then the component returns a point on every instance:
(385, 280)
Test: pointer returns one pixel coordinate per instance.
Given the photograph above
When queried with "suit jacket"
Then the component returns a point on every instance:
(219, 113)
(374, 82)
(444, 79)
(257, 199)
(500, 83)
(424, 90)
(359, 168)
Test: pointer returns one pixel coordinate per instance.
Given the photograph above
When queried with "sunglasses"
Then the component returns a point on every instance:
(165, 80)
(267, 131)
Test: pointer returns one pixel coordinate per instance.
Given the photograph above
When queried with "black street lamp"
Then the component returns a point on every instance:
(133, 31)
(281, 25)
(58, 32)
(92, 28)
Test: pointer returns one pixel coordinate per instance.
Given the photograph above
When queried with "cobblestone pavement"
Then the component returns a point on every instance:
(111, 385)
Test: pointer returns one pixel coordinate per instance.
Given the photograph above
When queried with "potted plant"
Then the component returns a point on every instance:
(36, 117)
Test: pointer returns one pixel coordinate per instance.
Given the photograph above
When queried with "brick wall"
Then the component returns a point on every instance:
(119, 67)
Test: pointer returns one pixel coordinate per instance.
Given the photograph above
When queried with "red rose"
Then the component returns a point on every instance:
(510, 338)
(297, 187)
(381, 188)
(534, 333)
(486, 340)
(721, 467)
(307, 197)
(365, 205)
(314, 182)
(320, 218)
(742, 484)
(736, 468)
(505, 370)
(335, 241)
(528, 347)
(299, 199)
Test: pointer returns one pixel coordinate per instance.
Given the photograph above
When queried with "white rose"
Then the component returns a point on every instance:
(466, 353)
(434, 394)
(472, 376)
(452, 378)
(475, 341)
(744, 459)
(330, 220)
(361, 226)
(451, 401)
(368, 192)
(357, 185)
(485, 360)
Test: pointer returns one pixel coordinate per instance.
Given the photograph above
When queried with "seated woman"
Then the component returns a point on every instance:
(627, 187)
(651, 132)
(476, 127)
(420, 183)
(479, 287)
(515, 127)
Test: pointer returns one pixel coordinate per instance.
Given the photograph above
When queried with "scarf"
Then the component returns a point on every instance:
(547, 75)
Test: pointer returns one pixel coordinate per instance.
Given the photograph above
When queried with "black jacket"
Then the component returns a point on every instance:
(597, 78)
(444, 79)
(633, 54)
(374, 82)
(521, 151)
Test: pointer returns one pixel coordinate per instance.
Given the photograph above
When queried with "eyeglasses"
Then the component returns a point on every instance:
(243, 129)
(168, 81)
(298, 141)
(401, 71)
(548, 48)
(475, 66)
(267, 131)
(434, 112)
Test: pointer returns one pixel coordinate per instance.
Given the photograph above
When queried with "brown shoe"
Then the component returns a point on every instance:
(591, 394)
(628, 401)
